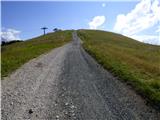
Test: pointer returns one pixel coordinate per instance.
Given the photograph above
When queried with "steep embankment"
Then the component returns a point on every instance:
(16, 54)
(134, 62)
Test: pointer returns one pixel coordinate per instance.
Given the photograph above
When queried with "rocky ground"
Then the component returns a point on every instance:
(68, 84)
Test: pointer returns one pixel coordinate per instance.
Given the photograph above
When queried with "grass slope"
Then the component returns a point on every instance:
(16, 54)
(136, 63)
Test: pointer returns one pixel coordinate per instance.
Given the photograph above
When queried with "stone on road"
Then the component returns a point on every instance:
(68, 84)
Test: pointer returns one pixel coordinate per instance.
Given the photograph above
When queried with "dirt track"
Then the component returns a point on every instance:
(67, 84)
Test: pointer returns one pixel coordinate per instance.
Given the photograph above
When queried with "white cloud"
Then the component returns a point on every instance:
(96, 22)
(145, 15)
(151, 39)
(10, 34)
(158, 30)
(103, 4)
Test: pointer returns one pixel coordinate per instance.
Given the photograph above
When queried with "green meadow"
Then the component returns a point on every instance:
(16, 54)
(136, 63)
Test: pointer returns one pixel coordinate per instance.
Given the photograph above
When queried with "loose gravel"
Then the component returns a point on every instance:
(68, 84)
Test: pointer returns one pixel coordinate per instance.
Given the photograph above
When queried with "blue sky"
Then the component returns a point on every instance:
(23, 20)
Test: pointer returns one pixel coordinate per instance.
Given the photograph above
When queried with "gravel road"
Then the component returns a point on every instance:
(68, 84)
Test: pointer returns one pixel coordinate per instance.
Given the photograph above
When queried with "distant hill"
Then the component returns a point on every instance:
(3, 42)
(16, 53)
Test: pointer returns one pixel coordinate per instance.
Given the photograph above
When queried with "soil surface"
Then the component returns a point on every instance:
(68, 84)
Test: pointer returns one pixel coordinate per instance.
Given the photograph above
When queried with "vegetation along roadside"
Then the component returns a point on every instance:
(16, 54)
(136, 63)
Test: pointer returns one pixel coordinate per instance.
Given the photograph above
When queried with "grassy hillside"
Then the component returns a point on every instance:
(136, 63)
(16, 54)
